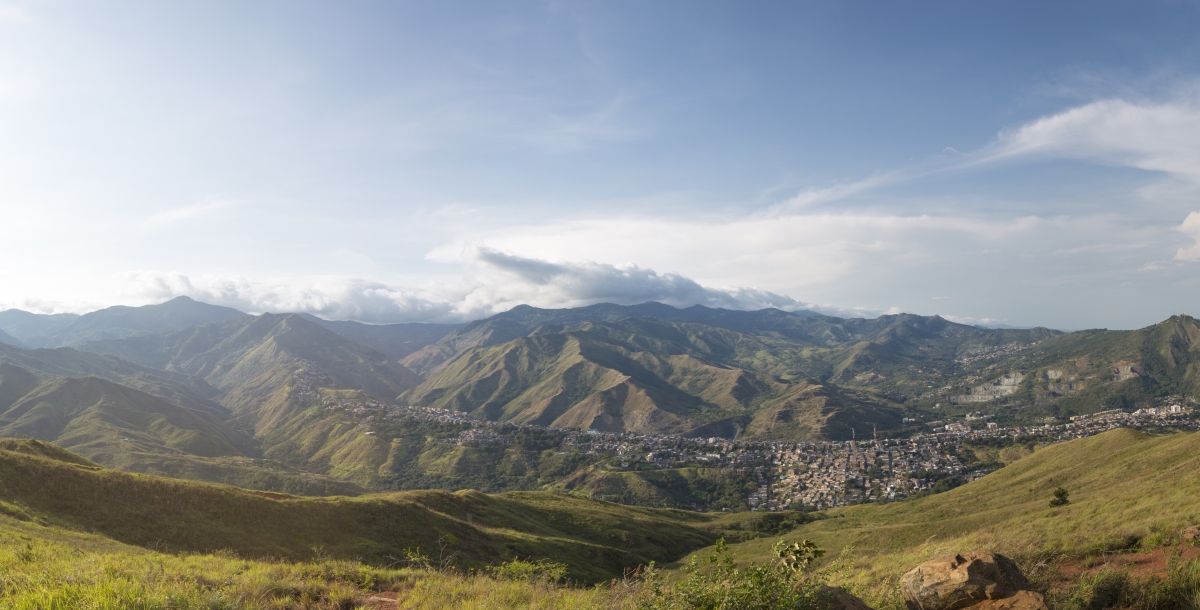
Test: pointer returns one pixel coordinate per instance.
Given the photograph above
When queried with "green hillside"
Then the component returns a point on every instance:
(1130, 494)
(182, 390)
(102, 420)
(816, 344)
(205, 402)
(126, 428)
(597, 540)
(647, 376)
(1128, 491)
(685, 488)
(242, 350)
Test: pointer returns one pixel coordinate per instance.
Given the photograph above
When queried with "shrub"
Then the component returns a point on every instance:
(542, 570)
(716, 582)
(1060, 497)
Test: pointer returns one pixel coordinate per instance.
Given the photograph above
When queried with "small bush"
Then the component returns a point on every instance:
(1060, 497)
(787, 583)
(542, 570)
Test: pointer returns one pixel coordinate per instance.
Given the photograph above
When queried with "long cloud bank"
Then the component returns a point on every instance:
(496, 281)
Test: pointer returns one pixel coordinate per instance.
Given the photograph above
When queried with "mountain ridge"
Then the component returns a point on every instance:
(113, 322)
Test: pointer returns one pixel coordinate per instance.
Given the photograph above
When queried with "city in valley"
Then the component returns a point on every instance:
(811, 475)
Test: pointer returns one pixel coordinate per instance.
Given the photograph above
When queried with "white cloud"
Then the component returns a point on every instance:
(495, 282)
(788, 254)
(583, 283)
(13, 14)
(1190, 227)
(1161, 137)
(184, 213)
(814, 196)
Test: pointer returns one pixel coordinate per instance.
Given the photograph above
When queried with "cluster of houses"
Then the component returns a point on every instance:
(829, 474)
(989, 352)
(1171, 416)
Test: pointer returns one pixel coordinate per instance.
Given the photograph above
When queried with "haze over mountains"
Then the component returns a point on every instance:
(188, 389)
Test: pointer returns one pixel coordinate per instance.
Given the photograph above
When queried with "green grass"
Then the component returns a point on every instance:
(75, 535)
(1127, 490)
(596, 540)
(37, 574)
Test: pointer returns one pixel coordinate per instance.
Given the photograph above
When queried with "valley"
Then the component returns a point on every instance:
(648, 404)
(598, 439)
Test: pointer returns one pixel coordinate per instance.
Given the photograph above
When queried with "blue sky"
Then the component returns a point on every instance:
(996, 162)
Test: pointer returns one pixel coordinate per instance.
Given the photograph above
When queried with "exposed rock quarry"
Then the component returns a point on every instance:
(1004, 386)
(978, 580)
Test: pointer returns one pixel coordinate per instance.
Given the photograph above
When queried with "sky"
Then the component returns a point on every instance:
(1020, 163)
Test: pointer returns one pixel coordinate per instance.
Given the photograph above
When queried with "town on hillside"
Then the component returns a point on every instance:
(809, 475)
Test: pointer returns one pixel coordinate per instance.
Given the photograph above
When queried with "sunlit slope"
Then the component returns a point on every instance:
(182, 390)
(799, 344)
(237, 351)
(101, 419)
(643, 376)
(254, 361)
(127, 429)
(596, 539)
(1123, 486)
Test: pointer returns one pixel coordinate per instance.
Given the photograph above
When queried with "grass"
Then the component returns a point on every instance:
(75, 535)
(596, 540)
(41, 575)
(1127, 491)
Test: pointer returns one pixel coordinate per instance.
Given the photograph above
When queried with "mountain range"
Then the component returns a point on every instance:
(289, 401)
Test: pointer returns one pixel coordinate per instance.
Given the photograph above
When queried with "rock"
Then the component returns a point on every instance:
(1191, 532)
(961, 581)
(839, 599)
(1021, 600)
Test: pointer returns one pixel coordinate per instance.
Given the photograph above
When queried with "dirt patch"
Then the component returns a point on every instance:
(1139, 565)
(381, 600)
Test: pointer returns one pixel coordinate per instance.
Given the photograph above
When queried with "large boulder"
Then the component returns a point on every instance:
(961, 581)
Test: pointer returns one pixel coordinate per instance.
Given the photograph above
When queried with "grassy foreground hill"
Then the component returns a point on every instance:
(1129, 492)
(72, 531)
(44, 485)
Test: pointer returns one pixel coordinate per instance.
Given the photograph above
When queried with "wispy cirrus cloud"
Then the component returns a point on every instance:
(185, 213)
(1160, 137)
